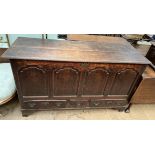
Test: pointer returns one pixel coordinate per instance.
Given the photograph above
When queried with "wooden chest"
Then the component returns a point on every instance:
(57, 74)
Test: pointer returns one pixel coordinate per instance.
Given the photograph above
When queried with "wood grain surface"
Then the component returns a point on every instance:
(75, 51)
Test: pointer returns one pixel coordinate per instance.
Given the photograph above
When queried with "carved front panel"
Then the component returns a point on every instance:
(123, 81)
(66, 81)
(33, 81)
(73, 104)
(78, 104)
(95, 82)
(44, 104)
(64, 85)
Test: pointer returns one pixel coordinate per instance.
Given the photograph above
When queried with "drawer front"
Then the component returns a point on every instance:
(78, 104)
(108, 103)
(73, 104)
(44, 104)
(62, 104)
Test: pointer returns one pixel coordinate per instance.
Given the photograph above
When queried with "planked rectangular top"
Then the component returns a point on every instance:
(111, 51)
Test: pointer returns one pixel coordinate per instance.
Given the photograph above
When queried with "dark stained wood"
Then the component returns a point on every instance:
(75, 51)
(95, 81)
(65, 81)
(145, 92)
(143, 49)
(123, 81)
(74, 85)
(45, 85)
(86, 37)
(27, 75)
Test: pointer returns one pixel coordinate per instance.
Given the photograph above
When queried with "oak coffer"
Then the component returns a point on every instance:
(61, 74)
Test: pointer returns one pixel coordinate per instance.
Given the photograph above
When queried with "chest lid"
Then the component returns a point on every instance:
(111, 51)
